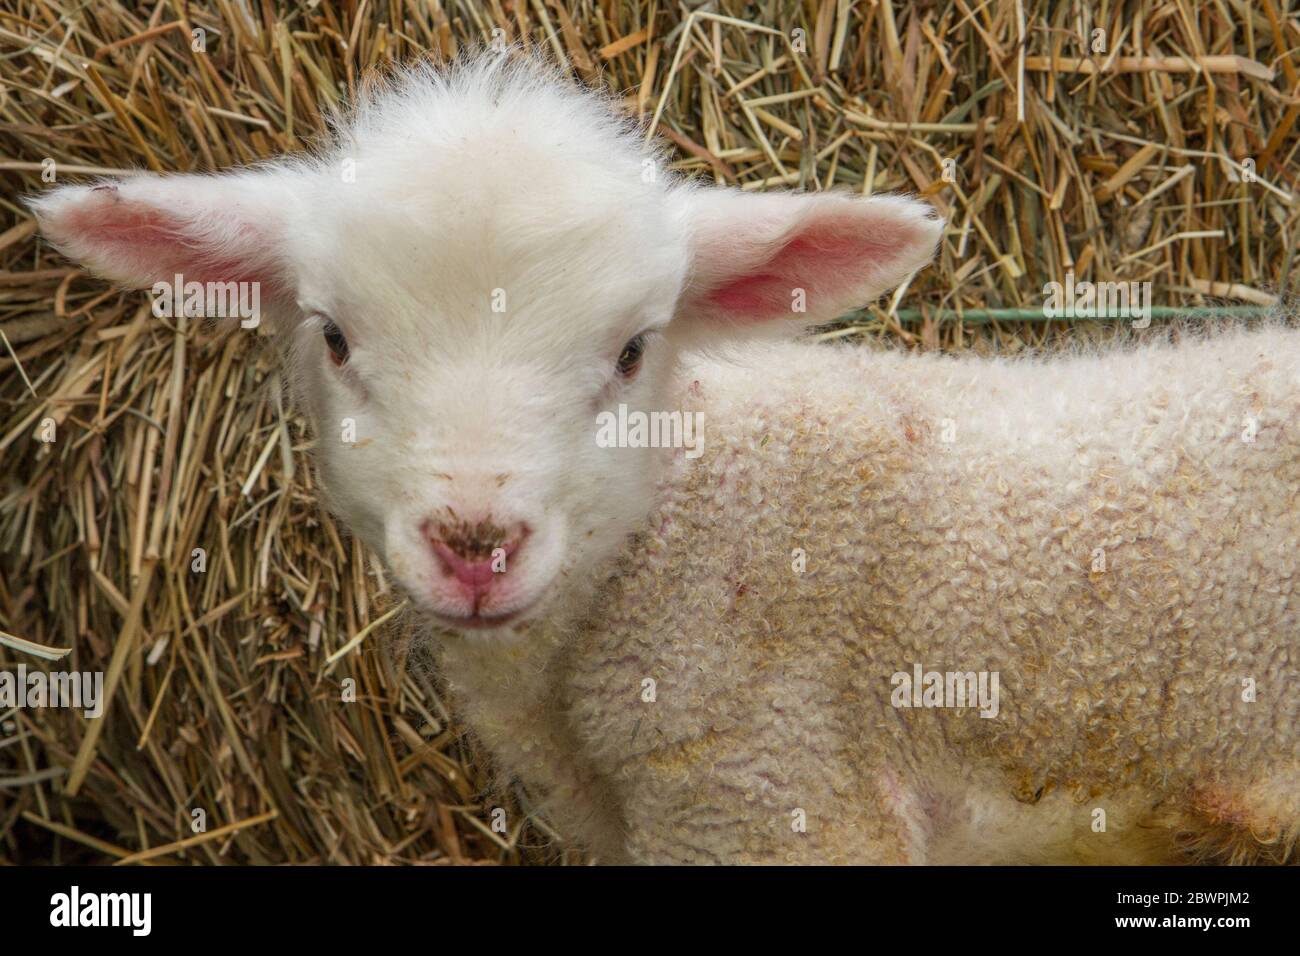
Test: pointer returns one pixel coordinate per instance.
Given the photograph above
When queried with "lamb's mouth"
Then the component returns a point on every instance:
(480, 622)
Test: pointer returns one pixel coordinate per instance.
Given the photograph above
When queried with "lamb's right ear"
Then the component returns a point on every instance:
(149, 228)
(805, 258)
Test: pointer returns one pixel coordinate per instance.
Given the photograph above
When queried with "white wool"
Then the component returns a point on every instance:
(650, 663)
(1122, 690)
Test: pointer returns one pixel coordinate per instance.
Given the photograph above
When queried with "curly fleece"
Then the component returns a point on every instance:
(722, 701)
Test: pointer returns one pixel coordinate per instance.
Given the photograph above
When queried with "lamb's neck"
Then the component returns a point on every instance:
(513, 667)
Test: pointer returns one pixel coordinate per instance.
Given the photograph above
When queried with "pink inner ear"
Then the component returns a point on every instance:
(161, 246)
(826, 259)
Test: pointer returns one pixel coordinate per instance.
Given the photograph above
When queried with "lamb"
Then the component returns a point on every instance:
(890, 608)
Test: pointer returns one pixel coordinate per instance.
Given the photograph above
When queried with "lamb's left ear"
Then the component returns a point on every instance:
(802, 257)
(149, 228)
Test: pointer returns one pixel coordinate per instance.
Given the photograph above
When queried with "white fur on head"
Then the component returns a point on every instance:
(489, 239)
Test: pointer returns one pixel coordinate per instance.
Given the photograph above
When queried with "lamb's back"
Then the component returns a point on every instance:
(1115, 536)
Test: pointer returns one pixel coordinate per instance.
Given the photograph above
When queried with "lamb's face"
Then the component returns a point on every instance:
(483, 266)
(455, 365)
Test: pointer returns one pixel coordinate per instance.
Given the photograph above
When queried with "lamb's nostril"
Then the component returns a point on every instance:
(476, 574)
(474, 553)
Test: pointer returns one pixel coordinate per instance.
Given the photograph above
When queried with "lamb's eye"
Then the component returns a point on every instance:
(338, 344)
(630, 359)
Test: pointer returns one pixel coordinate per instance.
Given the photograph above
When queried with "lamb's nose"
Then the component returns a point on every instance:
(474, 552)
